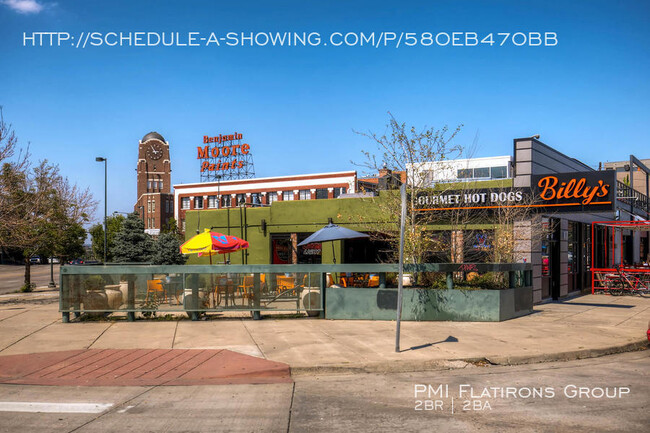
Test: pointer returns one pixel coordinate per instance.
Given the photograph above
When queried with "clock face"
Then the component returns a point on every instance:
(154, 151)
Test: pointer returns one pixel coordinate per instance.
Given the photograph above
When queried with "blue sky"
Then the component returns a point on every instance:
(298, 106)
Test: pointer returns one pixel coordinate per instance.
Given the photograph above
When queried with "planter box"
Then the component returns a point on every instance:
(429, 304)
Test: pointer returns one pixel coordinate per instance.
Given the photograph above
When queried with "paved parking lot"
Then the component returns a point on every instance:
(13, 276)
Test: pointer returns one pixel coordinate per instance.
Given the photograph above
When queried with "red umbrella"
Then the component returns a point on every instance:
(210, 243)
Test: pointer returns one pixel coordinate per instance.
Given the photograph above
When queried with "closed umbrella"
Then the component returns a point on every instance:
(332, 232)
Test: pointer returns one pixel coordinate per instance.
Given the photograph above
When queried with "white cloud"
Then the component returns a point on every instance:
(24, 6)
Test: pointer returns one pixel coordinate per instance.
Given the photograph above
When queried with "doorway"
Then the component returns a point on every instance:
(551, 259)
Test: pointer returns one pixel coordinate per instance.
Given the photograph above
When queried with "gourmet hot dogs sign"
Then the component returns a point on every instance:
(561, 192)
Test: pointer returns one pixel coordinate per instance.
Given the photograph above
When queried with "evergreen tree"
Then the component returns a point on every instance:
(71, 244)
(114, 224)
(131, 243)
(167, 250)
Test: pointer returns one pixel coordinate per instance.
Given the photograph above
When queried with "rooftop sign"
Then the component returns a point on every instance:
(225, 157)
(576, 192)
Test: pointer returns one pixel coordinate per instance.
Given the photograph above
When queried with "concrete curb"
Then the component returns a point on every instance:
(569, 355)
(38, 291)
(381, 367)
(452, 364)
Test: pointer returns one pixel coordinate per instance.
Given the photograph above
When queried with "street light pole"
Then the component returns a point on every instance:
(51, 284)
(100, 159)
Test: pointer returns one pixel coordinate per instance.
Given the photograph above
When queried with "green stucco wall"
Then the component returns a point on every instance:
(306, 216)
(297, 216)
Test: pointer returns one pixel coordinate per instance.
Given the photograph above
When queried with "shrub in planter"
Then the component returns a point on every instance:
(94, 282)
(488, 281)
(95, 297)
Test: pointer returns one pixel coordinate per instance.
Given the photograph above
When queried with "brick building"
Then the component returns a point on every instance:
(155, 202)
(260, 191)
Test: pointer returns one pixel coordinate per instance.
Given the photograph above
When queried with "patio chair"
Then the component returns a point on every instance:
(155, 287)
(285, 283)
(225, 289)
(245, 289)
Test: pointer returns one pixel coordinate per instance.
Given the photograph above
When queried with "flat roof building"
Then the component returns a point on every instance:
(258, 192)
(565, 197)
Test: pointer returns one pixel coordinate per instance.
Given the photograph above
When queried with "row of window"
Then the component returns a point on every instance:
(153, 185)
(256, 198)
(483, 173)
(167, 204)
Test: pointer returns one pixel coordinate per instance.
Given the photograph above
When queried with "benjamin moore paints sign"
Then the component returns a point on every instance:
(224, 154)
(563, 192)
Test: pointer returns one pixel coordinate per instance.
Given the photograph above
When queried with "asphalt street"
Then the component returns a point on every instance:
(13, 276)
(608, 394)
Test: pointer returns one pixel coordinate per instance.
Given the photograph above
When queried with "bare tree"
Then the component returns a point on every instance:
(37, 205)
(446, 231)
(14, 160)
(401, 150)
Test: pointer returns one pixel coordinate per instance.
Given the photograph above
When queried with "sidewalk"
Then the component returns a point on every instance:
(586, 326)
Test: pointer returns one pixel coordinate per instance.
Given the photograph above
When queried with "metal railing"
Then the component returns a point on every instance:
(631, 197)
(198, 289)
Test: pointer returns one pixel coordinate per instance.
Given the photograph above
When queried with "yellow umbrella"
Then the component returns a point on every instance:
(210, 243)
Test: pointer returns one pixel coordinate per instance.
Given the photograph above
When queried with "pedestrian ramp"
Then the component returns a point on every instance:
(140, 367)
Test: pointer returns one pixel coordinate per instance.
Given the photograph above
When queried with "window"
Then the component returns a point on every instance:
(149, 185)
(482, 172)
(198, 202)
(241, 198)
(499, 172)
(213, 202)
(153, 205)
(185, 202)
(321, 193)
(225, 200)
(287, 195)
(464, 173)
(256, 199)
(477, 245)
(429, 177)
(271, 197)
(338, 191)
(304, 194)
(148, 206)
(160, 185)
(183, 225)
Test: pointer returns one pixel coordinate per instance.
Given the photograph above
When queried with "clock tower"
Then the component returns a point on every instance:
(155, 203)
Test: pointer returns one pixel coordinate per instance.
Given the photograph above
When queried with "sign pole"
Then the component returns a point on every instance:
(400, 281)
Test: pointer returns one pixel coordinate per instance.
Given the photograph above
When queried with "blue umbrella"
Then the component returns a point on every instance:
(332, 232)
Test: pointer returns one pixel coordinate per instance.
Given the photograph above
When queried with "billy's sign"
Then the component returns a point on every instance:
(225, 155)
(571, 192)
(562, 192)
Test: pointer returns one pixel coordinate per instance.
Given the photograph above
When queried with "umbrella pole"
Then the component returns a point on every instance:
(333, 254)
(214, 301)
